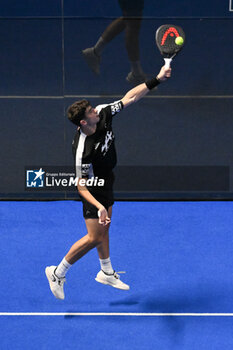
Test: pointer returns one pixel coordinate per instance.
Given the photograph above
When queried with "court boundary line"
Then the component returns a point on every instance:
(119, 314)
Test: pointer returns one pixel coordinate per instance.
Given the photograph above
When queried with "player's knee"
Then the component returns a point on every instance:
(95, 240)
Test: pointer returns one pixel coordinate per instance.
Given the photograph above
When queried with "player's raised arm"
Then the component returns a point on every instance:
(141, 90)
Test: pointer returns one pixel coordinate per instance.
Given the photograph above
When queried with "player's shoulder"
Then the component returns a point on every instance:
(100, 107)
(113, 108)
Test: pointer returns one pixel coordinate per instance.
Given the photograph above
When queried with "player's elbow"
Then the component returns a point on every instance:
(81, 185)
(127, 101)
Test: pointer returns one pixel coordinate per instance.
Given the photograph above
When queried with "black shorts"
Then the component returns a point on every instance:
(104, 195)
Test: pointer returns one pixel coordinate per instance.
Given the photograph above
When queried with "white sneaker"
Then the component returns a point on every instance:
(112, 280)
(55, 283)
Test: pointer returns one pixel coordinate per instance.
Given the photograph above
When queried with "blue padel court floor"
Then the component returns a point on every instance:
(178, 258)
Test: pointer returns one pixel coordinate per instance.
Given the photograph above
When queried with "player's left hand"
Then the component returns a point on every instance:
(103, 216)
(164, 73)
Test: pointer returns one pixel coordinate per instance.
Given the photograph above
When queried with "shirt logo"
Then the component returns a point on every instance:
(85, 169)
(115, 108)
(107, 143)
(97, 145)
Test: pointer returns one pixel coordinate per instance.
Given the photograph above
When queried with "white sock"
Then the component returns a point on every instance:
(106, 265)
(62, 268)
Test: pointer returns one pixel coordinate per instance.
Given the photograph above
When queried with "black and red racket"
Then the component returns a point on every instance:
(170, 40)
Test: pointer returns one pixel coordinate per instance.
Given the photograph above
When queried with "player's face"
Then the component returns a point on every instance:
(91, 115)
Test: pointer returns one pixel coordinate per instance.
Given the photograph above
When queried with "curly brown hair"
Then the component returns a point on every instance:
(76, 112)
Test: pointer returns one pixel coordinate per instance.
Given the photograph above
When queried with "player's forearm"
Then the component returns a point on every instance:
(83, 191)
(135, 94)
(141, 90)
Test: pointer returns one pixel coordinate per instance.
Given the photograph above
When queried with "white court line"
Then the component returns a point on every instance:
(126, 314)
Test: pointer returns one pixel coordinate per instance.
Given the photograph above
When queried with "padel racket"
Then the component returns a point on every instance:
(167, 42)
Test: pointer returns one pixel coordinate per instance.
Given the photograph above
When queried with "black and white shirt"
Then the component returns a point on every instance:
(95, 155)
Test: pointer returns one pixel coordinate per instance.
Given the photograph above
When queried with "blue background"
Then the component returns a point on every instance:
(110, 8)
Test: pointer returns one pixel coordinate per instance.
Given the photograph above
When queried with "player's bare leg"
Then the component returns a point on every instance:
(103, 247)
(56, 274)
(94, 237)
(107, 275)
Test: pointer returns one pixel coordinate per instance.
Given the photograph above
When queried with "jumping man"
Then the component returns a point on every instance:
(95, 156)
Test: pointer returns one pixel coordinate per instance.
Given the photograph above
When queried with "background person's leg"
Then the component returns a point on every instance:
(92, 55)
(132, 30)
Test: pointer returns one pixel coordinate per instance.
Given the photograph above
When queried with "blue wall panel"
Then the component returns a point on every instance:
(31, 62)
(32, 134)
(198, 70)
(155, 8)
(22, 8)
(42, 72)
(111, 8)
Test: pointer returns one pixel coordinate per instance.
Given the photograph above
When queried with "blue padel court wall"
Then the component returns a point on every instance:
(177, 142)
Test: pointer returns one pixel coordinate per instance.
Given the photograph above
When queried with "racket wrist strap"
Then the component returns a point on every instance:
(152, 83)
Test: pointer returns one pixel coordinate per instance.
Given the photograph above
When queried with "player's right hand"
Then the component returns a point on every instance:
(103, 216)
(164, 73)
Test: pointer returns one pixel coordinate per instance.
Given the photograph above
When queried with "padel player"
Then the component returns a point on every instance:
(95, 155)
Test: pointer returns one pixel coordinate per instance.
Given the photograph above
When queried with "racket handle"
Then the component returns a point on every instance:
(167, 62)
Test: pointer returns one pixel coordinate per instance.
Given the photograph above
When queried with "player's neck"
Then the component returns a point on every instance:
(88, 130)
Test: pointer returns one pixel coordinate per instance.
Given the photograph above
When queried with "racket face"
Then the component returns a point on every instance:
(165, 39)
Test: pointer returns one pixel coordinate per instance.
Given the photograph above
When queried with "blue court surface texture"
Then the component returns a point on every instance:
(178, 261)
